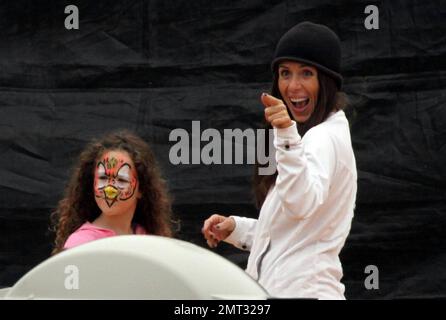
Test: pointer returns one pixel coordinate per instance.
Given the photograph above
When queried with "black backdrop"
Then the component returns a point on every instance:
(153, 66)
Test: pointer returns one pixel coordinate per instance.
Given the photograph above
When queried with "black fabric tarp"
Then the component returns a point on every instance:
(153, 66)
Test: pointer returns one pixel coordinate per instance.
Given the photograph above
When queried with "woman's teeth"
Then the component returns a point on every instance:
(300, 103)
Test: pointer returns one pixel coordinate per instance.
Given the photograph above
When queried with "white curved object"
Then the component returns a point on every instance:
(136, 267)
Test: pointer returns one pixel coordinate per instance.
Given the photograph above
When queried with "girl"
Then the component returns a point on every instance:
(307, 205)
(116, 188)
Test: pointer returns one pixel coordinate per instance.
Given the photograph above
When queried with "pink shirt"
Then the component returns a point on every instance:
(89, 232)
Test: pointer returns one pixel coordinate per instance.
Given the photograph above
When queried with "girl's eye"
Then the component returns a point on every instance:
(123, 180)
(103, 178)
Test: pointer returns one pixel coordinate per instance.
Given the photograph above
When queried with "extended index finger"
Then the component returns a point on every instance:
(268, 100)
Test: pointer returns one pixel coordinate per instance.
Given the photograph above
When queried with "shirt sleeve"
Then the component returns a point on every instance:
(243, 235)
(78, 238)
(305, 169)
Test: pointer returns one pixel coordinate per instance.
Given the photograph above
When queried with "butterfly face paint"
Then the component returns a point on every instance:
(115, 178)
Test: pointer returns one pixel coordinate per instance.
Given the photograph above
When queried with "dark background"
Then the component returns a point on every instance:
(153, 66)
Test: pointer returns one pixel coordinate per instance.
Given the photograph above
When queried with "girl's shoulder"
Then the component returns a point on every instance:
(139, 229)
(86, 233)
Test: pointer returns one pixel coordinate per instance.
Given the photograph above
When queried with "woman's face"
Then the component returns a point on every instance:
(299, 86)
(116, 183)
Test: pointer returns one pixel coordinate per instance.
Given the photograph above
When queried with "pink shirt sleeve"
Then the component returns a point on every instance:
(140, 230)
(79, 238)
(88, 232)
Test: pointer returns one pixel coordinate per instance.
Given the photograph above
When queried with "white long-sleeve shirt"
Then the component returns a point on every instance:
(306, 216)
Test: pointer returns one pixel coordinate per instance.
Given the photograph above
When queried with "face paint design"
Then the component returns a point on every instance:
(115, 180)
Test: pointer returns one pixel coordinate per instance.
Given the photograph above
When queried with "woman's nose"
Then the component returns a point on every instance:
(295, 83)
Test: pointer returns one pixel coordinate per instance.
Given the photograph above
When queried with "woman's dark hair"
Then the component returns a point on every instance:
(329, 100)
(153, 210)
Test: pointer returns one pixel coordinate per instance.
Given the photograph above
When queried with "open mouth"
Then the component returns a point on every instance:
(300, 103)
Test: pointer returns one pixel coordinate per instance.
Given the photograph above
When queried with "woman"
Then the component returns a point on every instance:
(115, 189)
(307, 205)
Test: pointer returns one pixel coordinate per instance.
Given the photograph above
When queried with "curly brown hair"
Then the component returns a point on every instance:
(153, 210)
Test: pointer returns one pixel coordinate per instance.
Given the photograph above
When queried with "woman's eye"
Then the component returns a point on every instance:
(307, 73)
(123, 180)
(103, 178)
(284, 73)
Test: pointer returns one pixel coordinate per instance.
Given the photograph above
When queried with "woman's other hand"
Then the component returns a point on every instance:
(217, 228)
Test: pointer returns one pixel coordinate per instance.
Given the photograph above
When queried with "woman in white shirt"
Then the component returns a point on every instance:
(307, 205)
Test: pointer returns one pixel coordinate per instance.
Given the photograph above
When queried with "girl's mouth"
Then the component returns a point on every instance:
(111, 192)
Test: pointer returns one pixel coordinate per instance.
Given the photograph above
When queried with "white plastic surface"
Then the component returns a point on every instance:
(136, 267)
(3, 292)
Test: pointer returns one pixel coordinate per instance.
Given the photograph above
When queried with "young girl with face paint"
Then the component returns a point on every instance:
(116, 189)
(307, 205)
